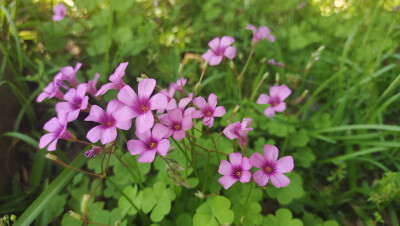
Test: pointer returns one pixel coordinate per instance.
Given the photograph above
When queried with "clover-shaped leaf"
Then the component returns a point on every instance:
(158, 200)
(303, 157)
(214, 212)
(282, 217)
(299, 139)
(286, 194)
(134, 197)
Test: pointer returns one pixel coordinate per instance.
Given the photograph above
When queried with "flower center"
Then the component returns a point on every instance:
(268, 169)
(209, 113)
(177, 127)
(144, 108)
(110, 123)
(153, 145)
(238, 174)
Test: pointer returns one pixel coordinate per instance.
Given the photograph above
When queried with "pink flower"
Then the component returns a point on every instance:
(182, 104)
(262, 33)
(140, 107)
(50, 91)
(178, 86)
(278, 95)
(107, 131)
(238, 169)
(177, 123)
(76, 101)
(59, 12)
(149, 143)
(208, 110)
(273, 62)
(239, 130)
(219, 49)
(169, 94)
(69, 74)
(116, 80)
(271, 167)
(57, 126)
(92, 90)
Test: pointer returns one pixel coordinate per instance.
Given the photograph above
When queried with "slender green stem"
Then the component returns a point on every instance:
(186, 156)
(247, 200)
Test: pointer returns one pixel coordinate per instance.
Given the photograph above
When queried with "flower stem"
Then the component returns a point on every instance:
(79, 170)
(247, 200)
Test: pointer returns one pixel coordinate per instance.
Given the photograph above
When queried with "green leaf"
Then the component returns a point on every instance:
(184, 219)
(125, 205)
(299, 139)
(150, 200)
(286, 194)
(21, 136)
(303, 157)
(282, 217)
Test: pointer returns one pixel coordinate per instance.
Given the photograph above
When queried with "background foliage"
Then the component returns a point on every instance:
(342, 132)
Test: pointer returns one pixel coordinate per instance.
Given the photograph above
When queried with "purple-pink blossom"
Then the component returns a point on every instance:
(178, 86)
(219, 49)
(277, 95)
(182, 104)
(239, 130)
(76, 101)
(50, 91)
(69, 74)
(57, 128)
(273, 62)
(238, 169)
(208, 110)
(140, 106)
(149, 143)
(270, 168)
(263, 32)
(107, 131)
(92, 89)
(59, 12)
(177, 123)
(116, 81)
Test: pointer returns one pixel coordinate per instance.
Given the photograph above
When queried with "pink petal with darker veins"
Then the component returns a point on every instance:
(136, 147)
(96, 114)
(108, 134)
(227, 181)
(214, 44)
(215, 60)
(263, 99)
(146, 87)
(178, 135)
(158, 101)
(260, 177)
(147, 156)
(284, 164)
(279, 180)
(270, 153)
(163, 147)
(230, 52)
(219, 111)
(257, 160)
(144, 122)
(245, 177)
(235, 159)
(226, 41)
(225, 168)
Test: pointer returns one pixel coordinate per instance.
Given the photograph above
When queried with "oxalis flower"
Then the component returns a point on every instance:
(208, 110)
(116, 81)
(177, 123)
(50, 91)
(57, 126)
(239, 130)
(76, 101)
(271, 168)
(178, 86)
(92, 90)
(149, 143)
(140, 107)
(69, 74)
(238, 169)
(263, 32)
(219, 49)
(277, 95)
(107, 131)
(182, 104)
(59, 12)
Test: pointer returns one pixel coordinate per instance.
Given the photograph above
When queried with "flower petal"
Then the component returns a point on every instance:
(52, 125)
(271, 153)
(113, 106)
(235, 159)
(225, 168)
(147, 156)
(284, 92)
(219, 111)
(159, 131)
(280, 180)
(146, 87)
(163, 147)
(269, 111)
(197, 114)
(215, 60)
(214, 44)
(175, 115)
(52, 146)
(230, 52)
(257, 160)
(136, 147)
(263, 99)
(95, 133)
(207, 56)
(128, 96)
(246, 163)
(245, 177)
(284, 164)
(144, 122)
(158, 101)
(260, 177)
(179, 135)
(227, 181)
(226, 41)
(280, 107)
(212, 100)
(46, 139)
(125, 125)
(187, 123)
(108, 134)
(144, 136)
(229, 131)
(124, 113)
(208, 121)
(70, 95)
(96, 114)
(200, 102)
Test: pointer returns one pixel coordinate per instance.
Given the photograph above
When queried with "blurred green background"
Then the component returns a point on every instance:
(343, 133)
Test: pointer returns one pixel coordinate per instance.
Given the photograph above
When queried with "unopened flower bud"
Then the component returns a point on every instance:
(109, 146)
(117, 223)
(89, 154)
(199, 194)
(180, 70)
(75, 215)
(144, 76)
(51, 156)
(277, 78)
(85, 204)
(231, 64)
(13, 217)
(6, 219)
(236, 109)
(196, 87)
